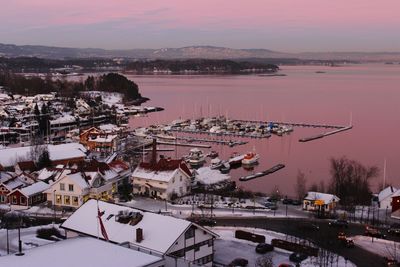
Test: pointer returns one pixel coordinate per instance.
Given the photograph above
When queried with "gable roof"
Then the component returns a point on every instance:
(81, 251)
(27, 165)
(327, 198)
(163, 170)
(32, 189)
(9, 156)
(387, 192)
(159, 232)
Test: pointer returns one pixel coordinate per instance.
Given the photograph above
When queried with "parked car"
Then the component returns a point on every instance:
(339, 223)
(263, 248)
(373, 232)
(297, 257)
(271, 205)
(239, 262)
(308, 226)
(391, 262)
(344, 240)
(285, 265)
(394, 229)
(296, 202)
(287, 201)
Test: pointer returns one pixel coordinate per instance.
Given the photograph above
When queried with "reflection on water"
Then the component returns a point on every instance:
(370, 92)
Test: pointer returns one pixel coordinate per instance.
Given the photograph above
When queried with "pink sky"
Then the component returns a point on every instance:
(263, 23)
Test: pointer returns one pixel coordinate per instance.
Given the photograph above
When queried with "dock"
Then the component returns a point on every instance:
(319, 136)
(297, 124)
(230, 143)
(182, 144)
(263, 173)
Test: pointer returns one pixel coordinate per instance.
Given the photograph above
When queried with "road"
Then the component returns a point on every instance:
(325, 237)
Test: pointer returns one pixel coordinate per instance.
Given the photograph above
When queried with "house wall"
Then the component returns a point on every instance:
(178, 184)
(3, 194)
(18, 200)
(395, 203)
(157, 189)
(386, 203)
(195, 248)
(55, 192)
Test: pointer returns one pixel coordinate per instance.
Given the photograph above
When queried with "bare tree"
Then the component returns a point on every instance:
(37, 148)
(350, 181)
(301, 185)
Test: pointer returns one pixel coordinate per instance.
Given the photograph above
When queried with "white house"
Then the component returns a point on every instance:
(165, 179)
(145, 231)
(385, 197)
(316, 201)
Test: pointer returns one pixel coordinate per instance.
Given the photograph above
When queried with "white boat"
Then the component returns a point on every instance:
(236, 159)
(250, 158)
(196, 157)
(216, 163)
(225, 168)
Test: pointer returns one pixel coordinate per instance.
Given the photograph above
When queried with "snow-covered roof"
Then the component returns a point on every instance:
(79, 180)
(387, 192)
(327, 198)
(9, 156)
(159, 232)
(208, 176)
(104, 139)
(34, 188)
(80, 251)
(63, 119)
(162, 176)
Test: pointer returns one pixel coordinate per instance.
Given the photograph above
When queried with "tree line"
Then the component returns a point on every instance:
(111, 82)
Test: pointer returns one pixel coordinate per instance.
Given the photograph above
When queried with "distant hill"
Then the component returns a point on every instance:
(206, 52)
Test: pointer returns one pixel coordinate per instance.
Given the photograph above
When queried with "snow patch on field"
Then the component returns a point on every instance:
(382, 247)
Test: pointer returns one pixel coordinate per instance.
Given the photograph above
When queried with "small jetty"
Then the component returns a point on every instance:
(263, 173)
(322, 135)
(182, 144)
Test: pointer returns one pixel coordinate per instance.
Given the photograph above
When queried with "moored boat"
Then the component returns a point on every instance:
(250, 158)
(216, 163)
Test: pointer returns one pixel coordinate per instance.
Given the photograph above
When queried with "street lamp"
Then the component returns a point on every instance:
(54, 206)
(14, 219)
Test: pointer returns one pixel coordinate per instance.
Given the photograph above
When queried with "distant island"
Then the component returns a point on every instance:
(189, 66)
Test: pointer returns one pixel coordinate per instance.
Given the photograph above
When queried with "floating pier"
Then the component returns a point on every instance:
(322, 135)
(263, 173)
(182, 144)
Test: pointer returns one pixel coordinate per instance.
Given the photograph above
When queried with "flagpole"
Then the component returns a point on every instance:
(98, 219)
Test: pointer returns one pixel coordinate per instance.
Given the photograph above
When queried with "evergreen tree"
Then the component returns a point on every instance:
(44, 160)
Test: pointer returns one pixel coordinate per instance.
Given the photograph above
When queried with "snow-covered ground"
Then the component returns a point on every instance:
(385, 248)
(185, 210)
(28, 238)
(206, 175)
(227, 248)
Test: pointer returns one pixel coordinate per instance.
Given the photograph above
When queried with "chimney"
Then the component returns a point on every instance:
(139, 235)
(154, 153)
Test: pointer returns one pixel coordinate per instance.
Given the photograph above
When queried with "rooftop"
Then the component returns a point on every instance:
(159, 232)
(81, 251)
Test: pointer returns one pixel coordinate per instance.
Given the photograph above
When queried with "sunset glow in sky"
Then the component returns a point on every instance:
(283, 25)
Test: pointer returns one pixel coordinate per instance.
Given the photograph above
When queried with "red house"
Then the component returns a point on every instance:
(28, 196)
(395, 202)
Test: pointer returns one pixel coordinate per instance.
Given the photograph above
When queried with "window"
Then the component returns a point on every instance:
(75, 201)
(173, 180)
(22, 200)
(189, 233)
(14, 199)
(67, 200)
(71, 187)
(58, 199)
(180, 178)
(62, 187)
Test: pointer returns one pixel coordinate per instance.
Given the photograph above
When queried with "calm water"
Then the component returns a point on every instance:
(371, 93)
